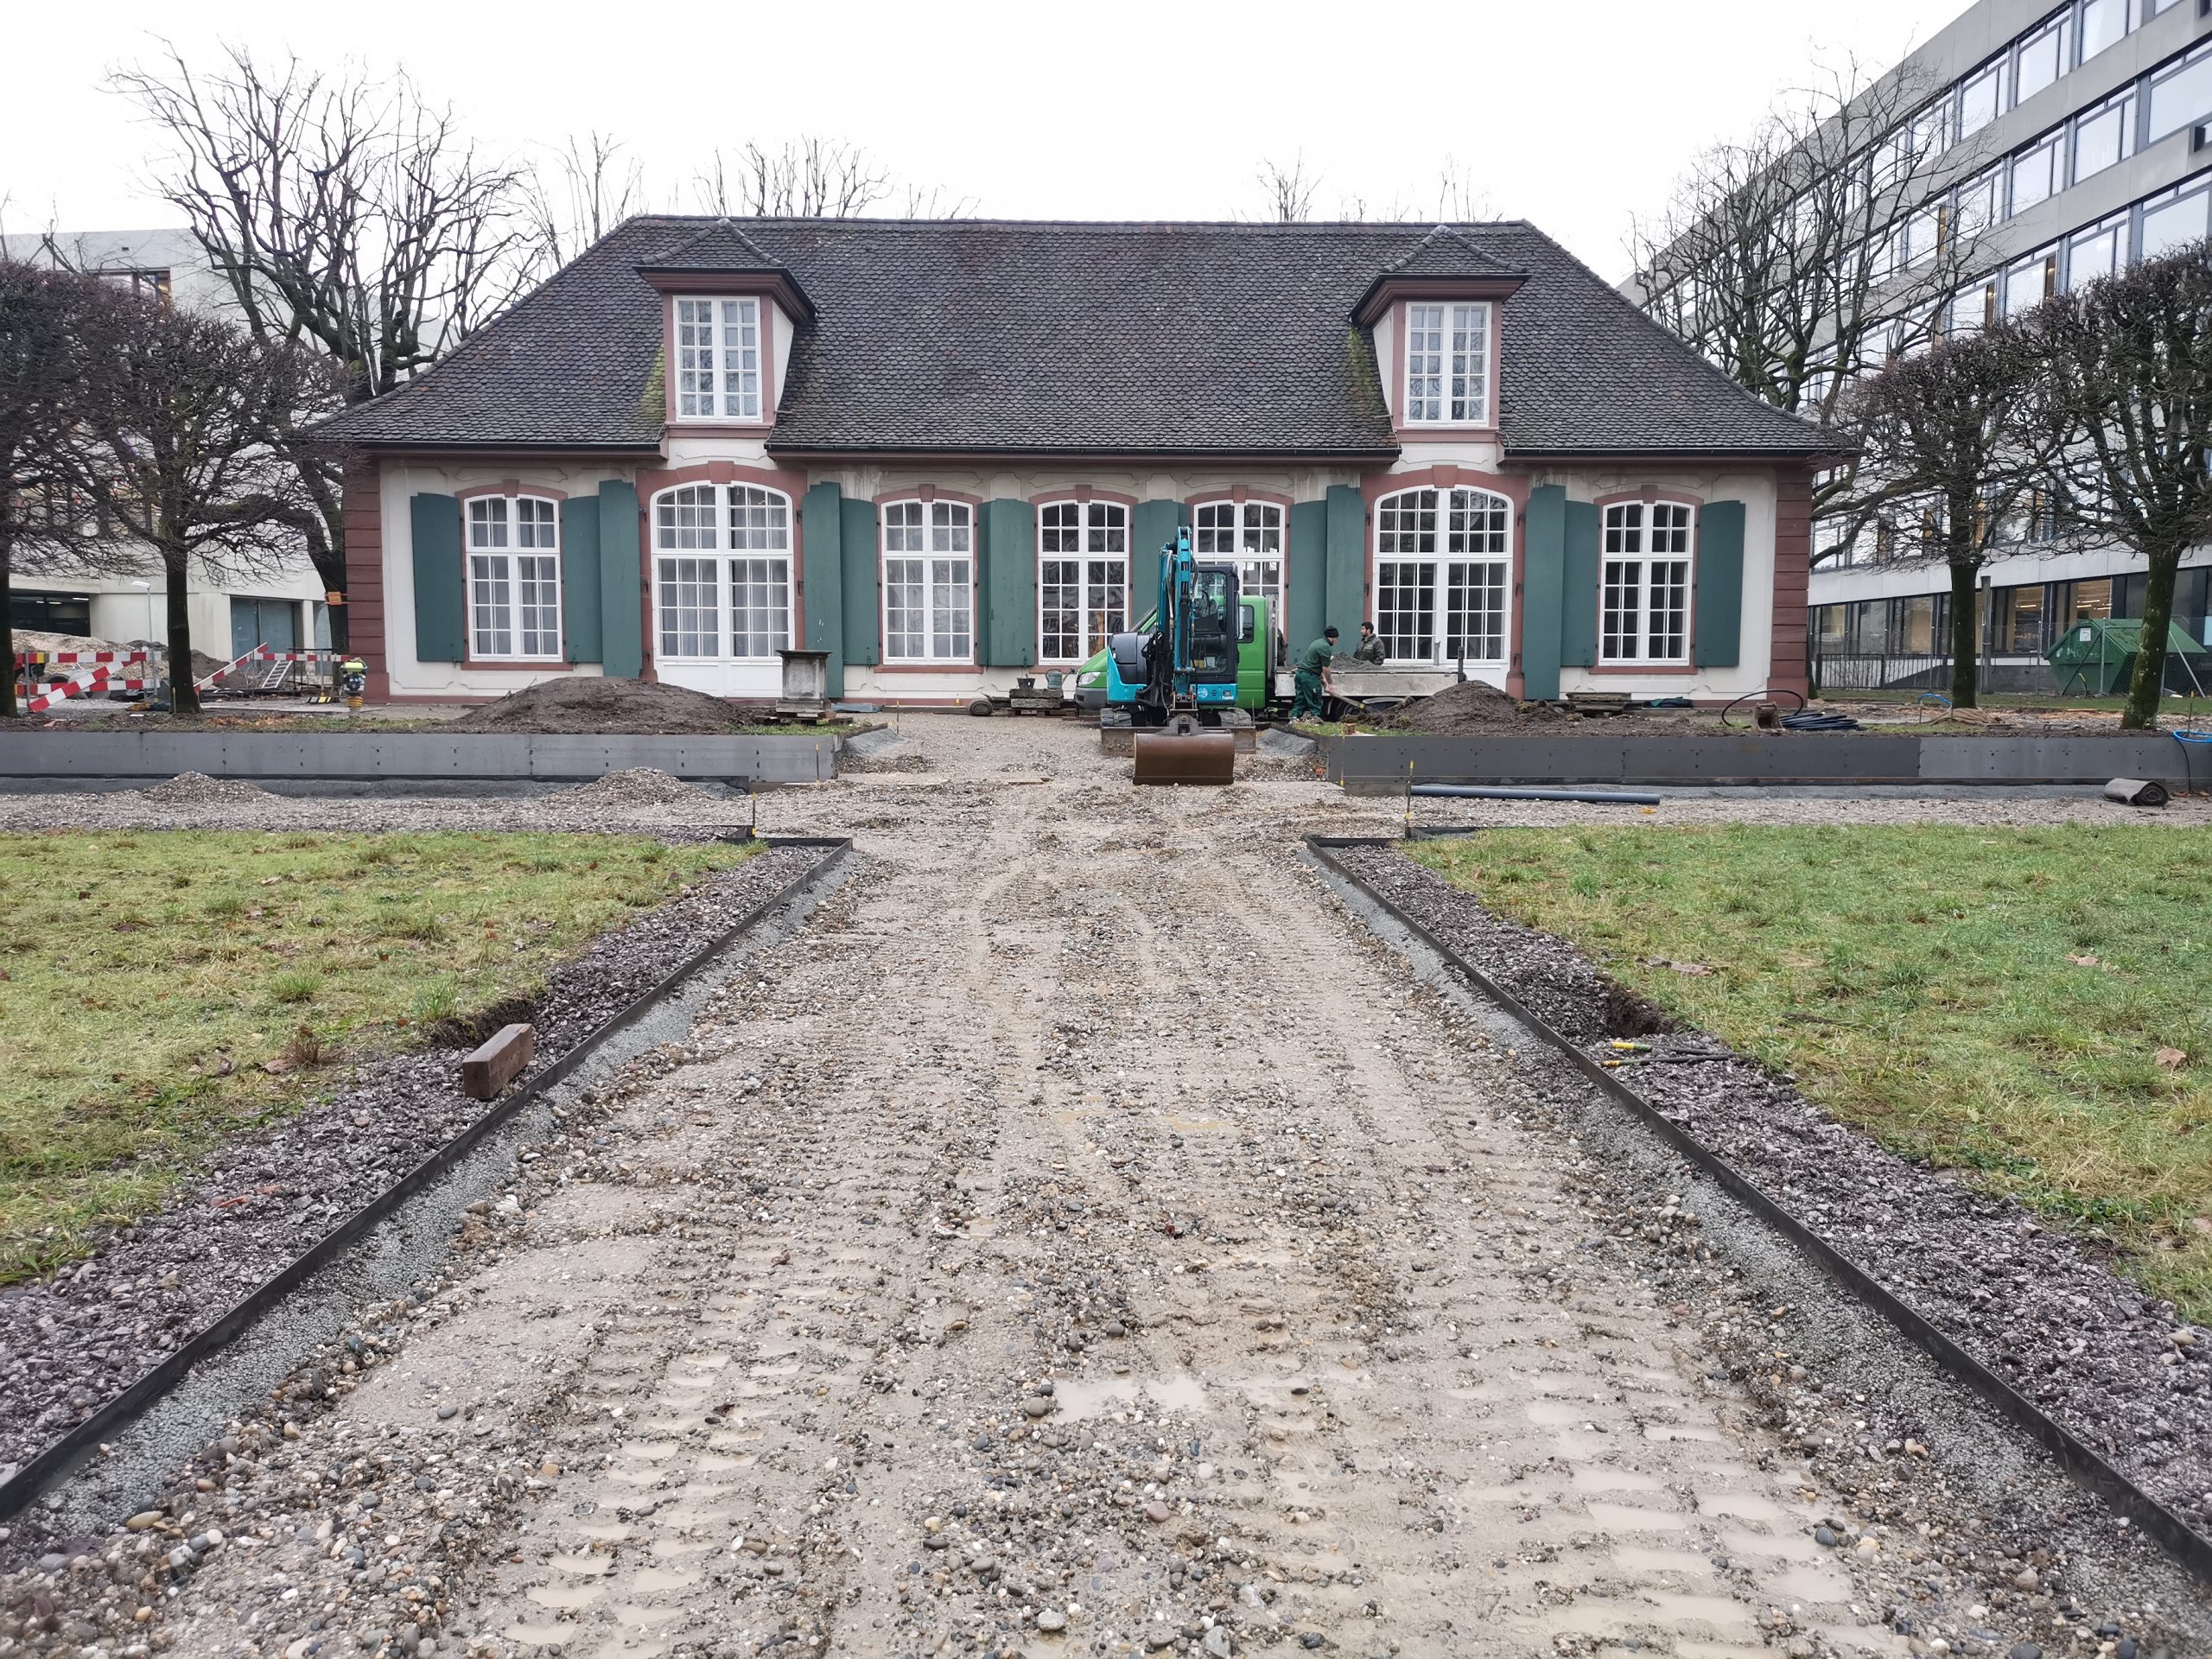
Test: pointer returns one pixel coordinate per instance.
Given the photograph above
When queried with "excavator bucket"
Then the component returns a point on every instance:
(1197, 758)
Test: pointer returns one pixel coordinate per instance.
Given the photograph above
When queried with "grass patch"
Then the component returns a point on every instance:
(1992, 1000)
(164, 988)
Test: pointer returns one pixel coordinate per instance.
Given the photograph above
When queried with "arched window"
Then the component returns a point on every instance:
(722, 572)
(1083, 578)
(1643, 601)
(1442, 571)
(928, 593)
(514, 578)
(1248, 534)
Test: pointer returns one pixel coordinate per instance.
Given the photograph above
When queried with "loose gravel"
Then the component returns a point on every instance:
(634, 787)
(198, 789)
(70, 1344)
(2091, 1352)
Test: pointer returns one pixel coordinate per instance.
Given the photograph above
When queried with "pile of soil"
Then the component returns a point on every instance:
(634, 787)
(1473, 709)
(198, 789)
(596, 707)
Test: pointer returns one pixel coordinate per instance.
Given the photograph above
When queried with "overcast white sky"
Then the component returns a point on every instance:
(1576, 114)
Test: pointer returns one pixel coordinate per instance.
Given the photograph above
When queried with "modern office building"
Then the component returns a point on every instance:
(283, 609)
(2097, 116)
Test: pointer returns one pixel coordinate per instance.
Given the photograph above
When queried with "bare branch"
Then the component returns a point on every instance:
(1289, 191)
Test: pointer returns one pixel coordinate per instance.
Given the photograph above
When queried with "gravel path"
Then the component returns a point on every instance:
(1017, 1267)
(69, 1344)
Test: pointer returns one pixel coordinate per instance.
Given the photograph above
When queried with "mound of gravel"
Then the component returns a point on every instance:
(198, 789)
(634, 787)
(597, 707)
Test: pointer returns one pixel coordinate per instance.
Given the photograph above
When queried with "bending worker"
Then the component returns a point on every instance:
(1313, 677)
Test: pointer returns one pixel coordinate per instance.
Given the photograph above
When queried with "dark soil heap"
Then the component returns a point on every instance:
(595, 707)
(1471, 708)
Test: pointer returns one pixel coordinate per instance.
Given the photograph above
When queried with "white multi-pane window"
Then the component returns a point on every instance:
(1442, 571)
(1083, 578)
(2104, 136)
(718, 359)
(1643, 601)
(1248, 534)
(2104, 22)
(929, 551)
(1447, 363)
(2175, 220)
(722, 572)
(2032, 282)
(514, 578)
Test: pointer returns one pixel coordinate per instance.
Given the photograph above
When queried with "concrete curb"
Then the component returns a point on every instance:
(368, 754)
(1380, 764)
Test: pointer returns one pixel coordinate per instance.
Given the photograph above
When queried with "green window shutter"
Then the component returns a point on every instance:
(1578, 630)
(821, 577)
(1344, 592)
(1716, 619)
(1309, 564)
(1543, 570)
(863, 572)
(621, 581)
(1009, 548)
(440, 619)
(580, 579)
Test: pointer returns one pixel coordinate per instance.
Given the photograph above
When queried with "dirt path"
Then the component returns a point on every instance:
(1015, 1278)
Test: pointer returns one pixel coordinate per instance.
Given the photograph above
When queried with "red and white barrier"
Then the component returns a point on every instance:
(39, 658)
(80, 685)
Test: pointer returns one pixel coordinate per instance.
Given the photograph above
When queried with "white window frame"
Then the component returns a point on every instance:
(2121, 110)
(1625, 531)
(720, 360)
(512, 546)
(1095, 529)
(1451, 379)
(742, 532)
(1251, 524)
(1466, 568)
(2196, 64)
(942, 541)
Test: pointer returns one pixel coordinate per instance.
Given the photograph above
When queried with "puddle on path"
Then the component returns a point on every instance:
(1081, 1397)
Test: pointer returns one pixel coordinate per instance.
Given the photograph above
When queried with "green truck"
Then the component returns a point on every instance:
(1259, 656)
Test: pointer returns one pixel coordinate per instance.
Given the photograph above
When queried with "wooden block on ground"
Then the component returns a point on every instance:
(498, 1062)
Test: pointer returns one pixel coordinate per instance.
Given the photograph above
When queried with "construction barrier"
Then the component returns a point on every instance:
(264, 654)
(89, 683)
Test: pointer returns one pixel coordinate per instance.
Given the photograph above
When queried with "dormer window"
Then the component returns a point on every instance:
(1447, 363)
(718, 358)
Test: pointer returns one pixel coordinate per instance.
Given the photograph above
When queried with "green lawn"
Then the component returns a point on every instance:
(163, 987)
(1992, 1000)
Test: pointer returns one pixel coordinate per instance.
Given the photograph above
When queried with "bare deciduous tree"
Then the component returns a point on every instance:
(346, 213)
(594, 192)
(194, 425)
(1289, 191)
(1807, 257)
(2126, 369)
(54, 325)
(1954, 445)
(806, 178)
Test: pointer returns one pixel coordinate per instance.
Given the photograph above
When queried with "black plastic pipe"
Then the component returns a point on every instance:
(1495, 792)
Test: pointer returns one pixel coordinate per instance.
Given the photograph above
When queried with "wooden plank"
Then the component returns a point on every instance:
(498, 1062)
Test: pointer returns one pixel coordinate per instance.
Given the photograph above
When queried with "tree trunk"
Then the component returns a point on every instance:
(2143, 691)
(184, 701)
(1965, 653)
(8, 707)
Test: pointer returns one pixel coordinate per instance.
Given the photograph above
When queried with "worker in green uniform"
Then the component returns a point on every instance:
(1370, 648)
(1311, 679)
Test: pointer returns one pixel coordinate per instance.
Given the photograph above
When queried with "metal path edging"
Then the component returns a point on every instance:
(61, 1457)
(2082, 1464)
